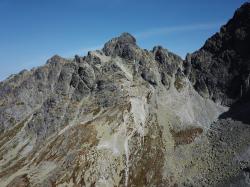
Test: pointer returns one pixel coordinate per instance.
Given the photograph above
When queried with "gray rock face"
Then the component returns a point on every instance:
(221, 68)
(149, 76)
(123, 46)
(169, 62)
(125, 116)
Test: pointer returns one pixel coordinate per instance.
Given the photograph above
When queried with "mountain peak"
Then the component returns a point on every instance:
(245, 8)
(126, 116)
(125, 38)
(123, 46)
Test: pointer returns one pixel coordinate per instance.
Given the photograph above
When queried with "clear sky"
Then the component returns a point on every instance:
(31, 31)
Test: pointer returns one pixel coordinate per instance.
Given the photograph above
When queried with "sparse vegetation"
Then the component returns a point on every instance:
(186, 136)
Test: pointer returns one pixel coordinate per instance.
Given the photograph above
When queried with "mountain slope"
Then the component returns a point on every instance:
(123, 116)
(221, 68)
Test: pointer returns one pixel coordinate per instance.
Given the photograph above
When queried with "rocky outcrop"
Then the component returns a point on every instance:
(123, 46)
(221, 68)
(126, 116)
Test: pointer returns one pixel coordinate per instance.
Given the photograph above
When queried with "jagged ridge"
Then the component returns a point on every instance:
(125, 116)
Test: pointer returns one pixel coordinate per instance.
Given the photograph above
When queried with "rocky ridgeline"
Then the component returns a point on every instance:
(45, 87)
(221, 68)
(126, 116)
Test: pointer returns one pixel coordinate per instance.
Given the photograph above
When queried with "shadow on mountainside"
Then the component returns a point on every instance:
(239, 111)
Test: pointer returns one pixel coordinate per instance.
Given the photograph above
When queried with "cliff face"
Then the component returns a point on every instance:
(125, 116)
(221, 68)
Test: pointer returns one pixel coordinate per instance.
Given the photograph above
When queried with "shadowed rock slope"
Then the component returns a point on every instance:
(126, 116)
(221, 68)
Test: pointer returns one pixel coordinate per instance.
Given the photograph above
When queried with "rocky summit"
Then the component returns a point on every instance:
(126, 116)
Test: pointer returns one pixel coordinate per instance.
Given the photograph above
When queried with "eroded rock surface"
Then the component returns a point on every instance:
(125, 116)
(221, 68)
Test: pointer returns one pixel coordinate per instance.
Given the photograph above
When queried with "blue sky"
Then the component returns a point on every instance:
(31, 31)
